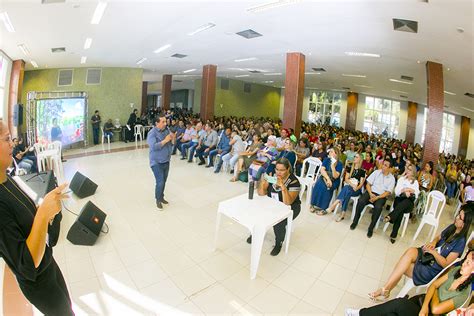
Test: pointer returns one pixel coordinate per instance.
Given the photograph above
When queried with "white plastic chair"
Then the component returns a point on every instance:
(56, 161)
(41, 161)
(104, 136)
(434, 207)
(307, 178)
(404, 224)
(18, 171)
(138, 132)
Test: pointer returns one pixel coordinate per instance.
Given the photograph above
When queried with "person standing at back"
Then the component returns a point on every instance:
(96, 126)
(160, 142)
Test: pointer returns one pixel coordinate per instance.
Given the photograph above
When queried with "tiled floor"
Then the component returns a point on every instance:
(155, 262)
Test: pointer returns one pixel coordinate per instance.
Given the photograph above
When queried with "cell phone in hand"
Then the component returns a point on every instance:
(270, 179)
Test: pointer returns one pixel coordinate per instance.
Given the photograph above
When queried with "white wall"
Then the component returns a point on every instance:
(420, 120)
(457, 134)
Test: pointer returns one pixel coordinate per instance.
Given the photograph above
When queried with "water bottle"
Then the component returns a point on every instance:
(251, 189)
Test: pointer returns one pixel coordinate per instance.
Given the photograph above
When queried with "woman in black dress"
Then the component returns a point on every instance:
(24, 241)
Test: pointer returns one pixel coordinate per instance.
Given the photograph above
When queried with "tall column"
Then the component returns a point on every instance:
(351, 115)
(411, 122)
(464, 139)
(294, 91)
(16, 89)
(144, 96)
(166, 91)
(208, 91)
(435, 101)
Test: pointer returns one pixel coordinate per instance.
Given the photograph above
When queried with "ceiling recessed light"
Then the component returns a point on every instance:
(271, 5)
(24, 49)
(99, 12)
(83, 59)
(245, 59)
(202, 28)
(88, 43)
(6, 21)
(359, 54)
(34, 63)
(268, 81)
(355, 76)
(141, 61)
(273, 74)
(450, 93)
(399, 91)
(400, 81)
(418, 61)
(470, 110)
(241, 76)
(405, 25)
(189, 70)
(162, 48)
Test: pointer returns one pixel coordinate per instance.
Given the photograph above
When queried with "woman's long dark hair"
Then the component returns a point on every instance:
(469, 280)
(468, 219)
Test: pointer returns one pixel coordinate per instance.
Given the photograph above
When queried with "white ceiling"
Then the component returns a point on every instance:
(321, 29)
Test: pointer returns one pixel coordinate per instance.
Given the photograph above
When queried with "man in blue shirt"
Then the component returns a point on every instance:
(222, 148)
(160, 141)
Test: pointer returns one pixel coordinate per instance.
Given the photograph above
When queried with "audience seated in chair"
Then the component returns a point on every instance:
(424, 263)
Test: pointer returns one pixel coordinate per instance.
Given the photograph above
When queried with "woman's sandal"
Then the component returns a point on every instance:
(322, 212)
(386, 219)
(380, 292)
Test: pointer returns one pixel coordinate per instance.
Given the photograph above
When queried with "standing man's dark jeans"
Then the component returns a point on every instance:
(401, 205)
(161, 175)
(378, 206)
(398, 306)
(95, 132)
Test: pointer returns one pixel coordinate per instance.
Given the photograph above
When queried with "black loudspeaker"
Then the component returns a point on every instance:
(17, 115)
(87, 227)
(82, 186)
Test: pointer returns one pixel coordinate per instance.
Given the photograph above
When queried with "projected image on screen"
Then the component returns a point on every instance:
(60, 119)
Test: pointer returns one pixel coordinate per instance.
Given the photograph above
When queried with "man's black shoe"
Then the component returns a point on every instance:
(201, 163)
(276, 250)
(370, 233)
(353, 226)
(249, 240)
(209, 166)
(182, 158)
(159, 206)
(164, 201)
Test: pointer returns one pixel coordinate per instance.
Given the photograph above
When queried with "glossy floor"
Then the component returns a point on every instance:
(154, 262)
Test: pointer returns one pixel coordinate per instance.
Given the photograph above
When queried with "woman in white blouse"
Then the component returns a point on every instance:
(406, 192)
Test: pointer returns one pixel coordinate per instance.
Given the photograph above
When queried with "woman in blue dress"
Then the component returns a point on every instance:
(288, 153)
(327, 182)
(445, 248)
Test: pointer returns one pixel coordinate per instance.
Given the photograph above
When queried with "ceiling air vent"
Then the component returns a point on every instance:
(468, 94)
(405, 25)
(179, 55)
(248, 34)
(403, 96)
(407, 78)
(247, 87)
(255, 71)
(58, 50)
(65, 77)
(346, 88)
(52, 1)
(94, 76)
(319, 69)
(224, 84)
(177, 80)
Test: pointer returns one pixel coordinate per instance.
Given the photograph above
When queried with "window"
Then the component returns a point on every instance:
(447, 132)
(325, 108)
(382, 117)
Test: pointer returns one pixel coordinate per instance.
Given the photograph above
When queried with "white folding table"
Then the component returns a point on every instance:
(258, 215)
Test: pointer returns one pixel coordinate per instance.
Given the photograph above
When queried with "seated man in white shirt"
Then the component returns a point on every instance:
(379, 186)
